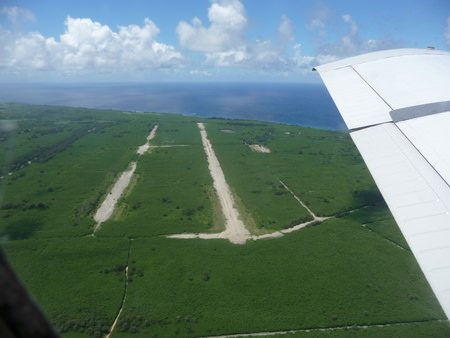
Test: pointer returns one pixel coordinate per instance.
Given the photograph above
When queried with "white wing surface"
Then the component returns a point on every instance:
(396, 104)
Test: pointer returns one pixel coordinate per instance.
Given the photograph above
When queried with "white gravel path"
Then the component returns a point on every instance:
(276, 234)
(259, 148)
(235, 229)
(107, 207)
(143, 148)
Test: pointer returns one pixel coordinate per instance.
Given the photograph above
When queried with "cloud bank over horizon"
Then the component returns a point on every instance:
(87, 45)
(89, 48)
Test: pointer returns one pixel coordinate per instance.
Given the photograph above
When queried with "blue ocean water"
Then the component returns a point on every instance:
(299, 104)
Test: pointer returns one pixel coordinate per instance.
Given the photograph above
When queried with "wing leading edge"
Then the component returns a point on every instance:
(397, 106)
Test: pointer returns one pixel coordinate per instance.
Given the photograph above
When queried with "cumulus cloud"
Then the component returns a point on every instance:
(224, 44)
(90, 47)
(87, 45)
(227, 24)
(30, 52)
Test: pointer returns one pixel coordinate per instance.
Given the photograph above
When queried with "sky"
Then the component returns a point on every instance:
(205, 40)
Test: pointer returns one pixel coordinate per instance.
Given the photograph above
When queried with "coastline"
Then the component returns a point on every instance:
(287, 103)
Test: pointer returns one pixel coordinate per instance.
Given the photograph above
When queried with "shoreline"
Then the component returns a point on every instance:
(297, 104)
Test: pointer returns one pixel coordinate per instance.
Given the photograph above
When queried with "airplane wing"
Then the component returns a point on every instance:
(396, 104)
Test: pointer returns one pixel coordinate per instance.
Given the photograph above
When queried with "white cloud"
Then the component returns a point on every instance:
(198, 72)
(17, 15)
(266, 56)
(19, 53)
(324, 58)
(286, 29)
(447, 31)
(227, 24)
(350, 44)
(261, 54)
(315, 24)
(86, 43)
(321, 14)
(350, 41)
(88, 46)
(229, 58)
(224, 44)
(301, 61)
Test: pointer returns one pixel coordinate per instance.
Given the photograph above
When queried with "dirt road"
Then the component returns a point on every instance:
(107, 207)
(235, 229)
(143, 148)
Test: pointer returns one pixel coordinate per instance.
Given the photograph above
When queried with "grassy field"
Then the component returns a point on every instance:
(349, 272)
(68, 278)
(258, 287)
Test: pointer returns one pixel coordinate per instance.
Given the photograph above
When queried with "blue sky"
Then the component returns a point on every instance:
(205, 40)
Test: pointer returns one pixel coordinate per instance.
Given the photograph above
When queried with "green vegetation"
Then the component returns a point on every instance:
(173, 189)
(322, 167)
(350, 271)
(274, 285)
(67, 277)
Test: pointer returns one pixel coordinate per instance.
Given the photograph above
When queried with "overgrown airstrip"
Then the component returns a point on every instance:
(219, 228)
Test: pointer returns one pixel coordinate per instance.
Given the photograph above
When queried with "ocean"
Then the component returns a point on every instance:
(290, 103)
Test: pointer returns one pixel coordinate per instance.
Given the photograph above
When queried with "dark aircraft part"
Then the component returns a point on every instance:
(19, 314)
